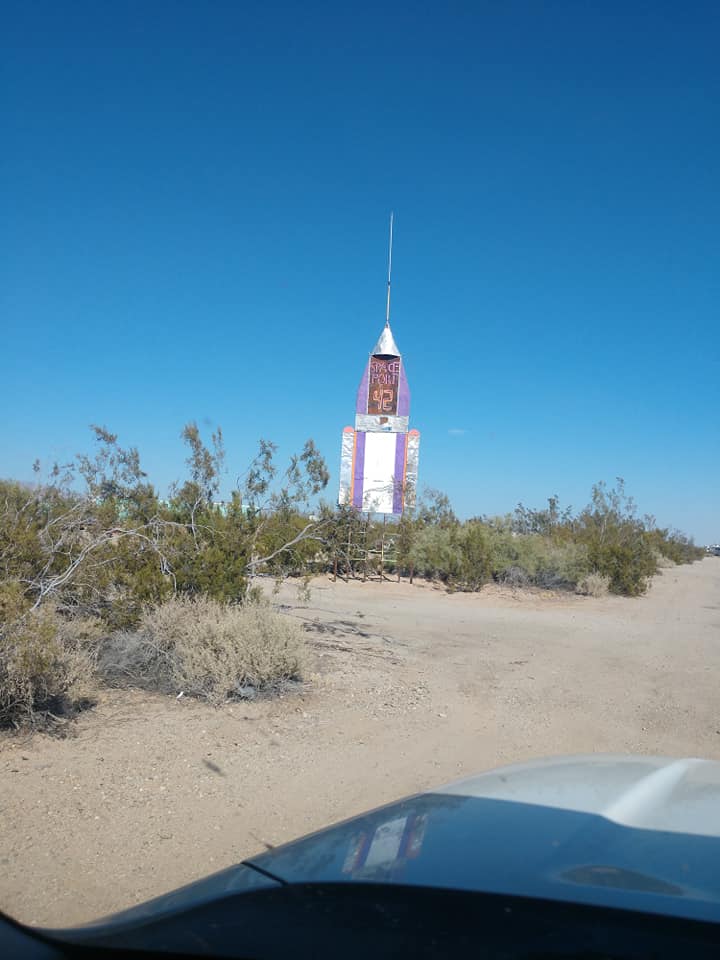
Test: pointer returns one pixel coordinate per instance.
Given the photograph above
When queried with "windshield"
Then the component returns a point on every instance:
(360, 395)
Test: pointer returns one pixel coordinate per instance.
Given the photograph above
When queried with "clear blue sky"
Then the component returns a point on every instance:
(195, 201)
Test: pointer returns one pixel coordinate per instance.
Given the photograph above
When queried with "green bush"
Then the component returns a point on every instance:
(436, 554)
(674, 547)
(94, 536)
(546, 563)
(628, 566)
(617, 542)
(475, 553)
(550, 548)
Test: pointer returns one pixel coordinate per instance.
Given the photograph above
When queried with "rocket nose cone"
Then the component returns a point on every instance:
(386, 346)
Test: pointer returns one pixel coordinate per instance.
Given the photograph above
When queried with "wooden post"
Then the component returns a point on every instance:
(382, 550)
(347, 555)
(365, 552)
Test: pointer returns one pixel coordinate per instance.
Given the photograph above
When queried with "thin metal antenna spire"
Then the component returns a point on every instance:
(387, 307)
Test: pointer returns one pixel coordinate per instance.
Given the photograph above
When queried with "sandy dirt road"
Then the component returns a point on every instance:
(410, 687)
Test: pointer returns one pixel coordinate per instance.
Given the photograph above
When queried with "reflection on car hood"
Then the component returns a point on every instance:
(635, 832)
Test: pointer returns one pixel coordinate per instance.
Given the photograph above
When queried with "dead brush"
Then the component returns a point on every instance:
(207, 649)
(47, 668)
(593, 585)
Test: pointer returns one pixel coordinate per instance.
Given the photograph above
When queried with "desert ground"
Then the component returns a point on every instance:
(408, 687)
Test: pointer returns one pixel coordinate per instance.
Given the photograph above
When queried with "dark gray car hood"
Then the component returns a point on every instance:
(634, 832)
(640, 833)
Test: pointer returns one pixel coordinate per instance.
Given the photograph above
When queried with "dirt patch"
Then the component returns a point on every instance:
(409, 687)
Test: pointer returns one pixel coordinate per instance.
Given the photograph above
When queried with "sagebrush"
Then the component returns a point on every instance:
(594, 585)
(606, 546)
(47, 667)
(204, 648)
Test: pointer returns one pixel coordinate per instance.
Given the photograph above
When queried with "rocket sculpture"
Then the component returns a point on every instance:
(379, 461)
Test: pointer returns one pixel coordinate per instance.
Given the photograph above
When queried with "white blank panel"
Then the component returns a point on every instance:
(379, 472)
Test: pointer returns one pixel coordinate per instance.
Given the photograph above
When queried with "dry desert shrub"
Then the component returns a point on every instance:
(663, 562)
(47, 666)
(207, 649)
(594, 585)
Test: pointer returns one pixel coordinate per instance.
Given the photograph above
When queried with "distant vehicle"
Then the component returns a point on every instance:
(594, 856)
(714, 550)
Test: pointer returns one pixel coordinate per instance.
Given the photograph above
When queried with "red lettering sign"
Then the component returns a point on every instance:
(383, 386)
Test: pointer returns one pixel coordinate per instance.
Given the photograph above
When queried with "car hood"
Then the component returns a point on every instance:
(639, 833)
(625, 831)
